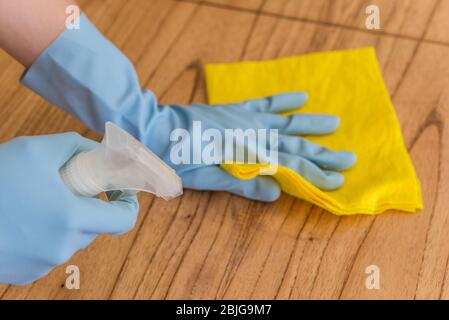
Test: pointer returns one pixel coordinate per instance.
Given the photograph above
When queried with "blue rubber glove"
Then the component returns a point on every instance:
(87, 76)
(42, 224)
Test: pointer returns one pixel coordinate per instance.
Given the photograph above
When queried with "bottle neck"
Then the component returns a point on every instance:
(75, 174)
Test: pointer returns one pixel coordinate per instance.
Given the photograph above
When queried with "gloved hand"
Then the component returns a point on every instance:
(315, 163)
(87, 76)
(42, 224)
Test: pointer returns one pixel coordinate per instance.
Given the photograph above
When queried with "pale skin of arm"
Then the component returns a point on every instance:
(27, 27)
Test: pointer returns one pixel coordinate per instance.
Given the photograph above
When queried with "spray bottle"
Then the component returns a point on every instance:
(122, 163)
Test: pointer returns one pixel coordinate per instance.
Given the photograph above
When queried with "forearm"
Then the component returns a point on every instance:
(28, 27)
(77, 70)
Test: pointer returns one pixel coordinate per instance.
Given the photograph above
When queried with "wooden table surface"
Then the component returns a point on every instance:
(214, 245)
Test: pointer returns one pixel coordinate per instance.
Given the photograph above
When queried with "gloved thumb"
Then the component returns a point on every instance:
(261, 188)
(117, 216)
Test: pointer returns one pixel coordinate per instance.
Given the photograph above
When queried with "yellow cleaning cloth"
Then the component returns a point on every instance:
(344, 83)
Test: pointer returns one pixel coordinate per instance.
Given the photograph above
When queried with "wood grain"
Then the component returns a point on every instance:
(214, 245)
(438, 29)
(398, 17)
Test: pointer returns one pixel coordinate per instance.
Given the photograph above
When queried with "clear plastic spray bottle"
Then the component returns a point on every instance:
(122, 163)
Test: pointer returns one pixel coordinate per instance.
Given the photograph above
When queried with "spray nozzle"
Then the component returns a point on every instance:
(120, 162)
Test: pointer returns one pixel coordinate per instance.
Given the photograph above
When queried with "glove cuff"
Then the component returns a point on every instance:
(84, 74)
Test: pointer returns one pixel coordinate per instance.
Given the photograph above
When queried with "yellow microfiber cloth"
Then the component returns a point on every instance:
(348, 84)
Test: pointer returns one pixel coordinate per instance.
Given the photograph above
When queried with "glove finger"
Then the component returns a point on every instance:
(59, 147)
(262, 188)
(322, 179)
(86, 240)
(113, 217)
(302, 124)
(78, 143)
(70, 140)
(22, 273)
(274, 104)
(80, 241)
(310, 124)
(321, 156)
